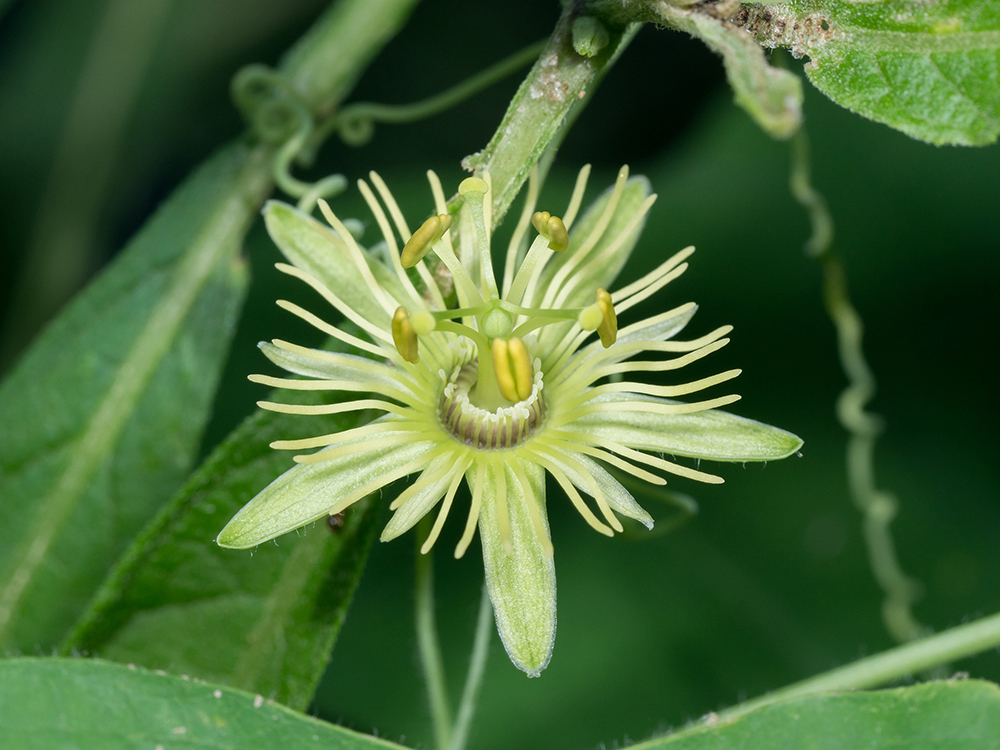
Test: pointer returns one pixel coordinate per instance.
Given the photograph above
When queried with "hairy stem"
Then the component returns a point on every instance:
(474, 678)
(878, 507)
(873, 671)
(428, 643)
(559, 83)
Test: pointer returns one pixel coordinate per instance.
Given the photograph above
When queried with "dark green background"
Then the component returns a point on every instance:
(770, 583)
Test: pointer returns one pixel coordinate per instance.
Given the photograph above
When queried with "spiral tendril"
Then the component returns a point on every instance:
(277, 114)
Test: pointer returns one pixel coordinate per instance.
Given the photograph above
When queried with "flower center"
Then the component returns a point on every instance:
(504, 428)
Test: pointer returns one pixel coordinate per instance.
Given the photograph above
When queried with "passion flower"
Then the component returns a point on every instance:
(519, 377)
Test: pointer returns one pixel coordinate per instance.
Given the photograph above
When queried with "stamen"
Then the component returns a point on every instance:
(422, 241)
(404, 337)
(512, 365)
(608, 329)
(551, 228)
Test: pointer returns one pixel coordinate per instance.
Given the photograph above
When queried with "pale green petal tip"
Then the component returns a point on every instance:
(236, 535)
(534, 659)
(778, 444)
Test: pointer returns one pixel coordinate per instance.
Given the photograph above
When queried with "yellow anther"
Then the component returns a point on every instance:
(404, 337)
(472, 187)
(421, 241)
(608, 329)
(512, 365)
(551, 228)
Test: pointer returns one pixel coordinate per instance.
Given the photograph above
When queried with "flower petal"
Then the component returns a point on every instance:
(714, 435)
(315, 249)
(420, 502)
(521, 584)
(309, 491)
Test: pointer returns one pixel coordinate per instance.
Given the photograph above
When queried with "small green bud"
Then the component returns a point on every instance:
(589, 36)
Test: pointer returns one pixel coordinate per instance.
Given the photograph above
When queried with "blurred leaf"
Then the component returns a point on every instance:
(91, 705)
(101, 420)
(771, 96)
(963, 715)
(931, 70)
(264, 620)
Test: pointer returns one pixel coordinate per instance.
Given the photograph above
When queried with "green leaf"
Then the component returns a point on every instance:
(931, 70)
(953, 715)
(771, 96)
(93, 705)
(101, 421)
(264, 621)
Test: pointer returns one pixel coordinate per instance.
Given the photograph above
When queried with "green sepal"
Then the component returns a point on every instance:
(713, 435)
(522, 583)
(314, 248)
(308, 492)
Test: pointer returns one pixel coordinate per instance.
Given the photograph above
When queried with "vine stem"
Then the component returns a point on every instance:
(873, 671)
(428, 643)
(877, 507)
(356, 122)
(474, 678)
